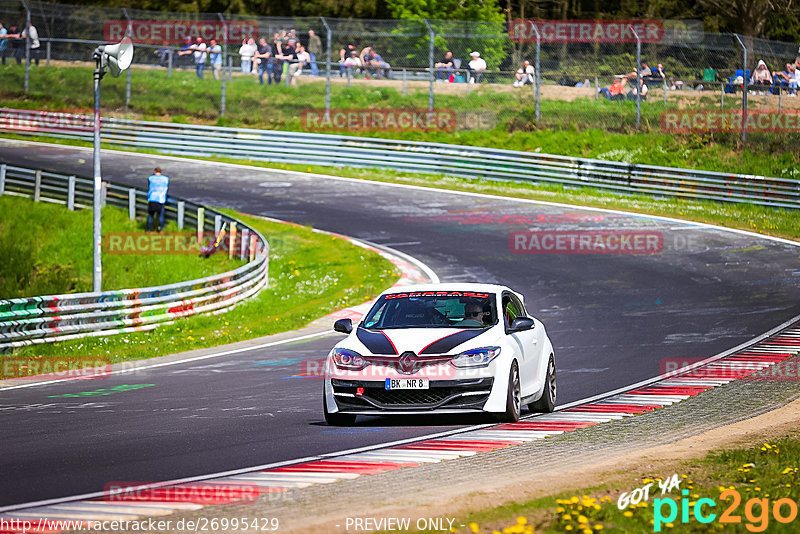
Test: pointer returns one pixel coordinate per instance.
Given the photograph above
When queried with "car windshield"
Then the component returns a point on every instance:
(433, 309)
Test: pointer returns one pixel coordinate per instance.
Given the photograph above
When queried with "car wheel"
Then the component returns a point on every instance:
(547, 402)
(337, 419)
(513, 399)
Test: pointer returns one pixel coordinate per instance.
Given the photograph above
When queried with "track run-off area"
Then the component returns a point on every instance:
(615, 319)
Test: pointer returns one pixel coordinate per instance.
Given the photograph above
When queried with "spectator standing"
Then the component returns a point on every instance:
(266, 62)
(477, 66)
(31, 33)
(200, 55)
(215, 58)
(445, 67)
(17, 43)
(3, 43)
(761, 77)
(158, 184)
(185, 51)
(246, 53)
(524, 74)
(314, 49)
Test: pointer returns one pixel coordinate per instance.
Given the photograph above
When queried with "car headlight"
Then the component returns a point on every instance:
(348, 359)
(476, 357)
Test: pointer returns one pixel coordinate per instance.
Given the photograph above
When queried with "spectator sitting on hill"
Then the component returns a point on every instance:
(445, 67)
(657, 75)
(352, 63)
(644, 72)
(376, 65)
(344, 55)
(788, 78)
(761, 77)
(295, 69)
(566, 81)
(524, 74)
(632, 93)
(614, 92)
(477, 66)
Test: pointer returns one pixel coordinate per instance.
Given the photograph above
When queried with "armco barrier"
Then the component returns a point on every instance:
(410, 156)
(27, 321)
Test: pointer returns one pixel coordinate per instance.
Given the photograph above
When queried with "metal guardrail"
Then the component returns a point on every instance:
(411, 156)
(28, 321)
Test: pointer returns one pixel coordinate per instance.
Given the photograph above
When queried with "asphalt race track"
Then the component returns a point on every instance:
(614, 319)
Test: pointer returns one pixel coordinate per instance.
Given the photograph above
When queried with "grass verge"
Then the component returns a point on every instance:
(757, 486)
(311, 275)
(47, 250)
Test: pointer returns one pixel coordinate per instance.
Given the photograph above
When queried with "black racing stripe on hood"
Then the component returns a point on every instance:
(448, 343)
(376, 342)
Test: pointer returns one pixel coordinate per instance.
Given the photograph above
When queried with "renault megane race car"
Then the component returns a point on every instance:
(445, 348)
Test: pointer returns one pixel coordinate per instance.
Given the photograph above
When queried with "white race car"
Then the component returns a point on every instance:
(445, 348)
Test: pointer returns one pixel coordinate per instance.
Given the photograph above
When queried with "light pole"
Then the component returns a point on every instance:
(115, 58)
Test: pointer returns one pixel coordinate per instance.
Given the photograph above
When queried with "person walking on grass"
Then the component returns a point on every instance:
(156, 197)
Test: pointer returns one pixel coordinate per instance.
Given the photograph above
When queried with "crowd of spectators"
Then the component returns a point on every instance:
(17, 38)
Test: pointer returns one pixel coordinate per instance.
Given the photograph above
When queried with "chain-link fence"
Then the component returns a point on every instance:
(361, 75)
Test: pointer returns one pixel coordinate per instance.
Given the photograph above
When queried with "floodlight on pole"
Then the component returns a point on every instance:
(116, 59)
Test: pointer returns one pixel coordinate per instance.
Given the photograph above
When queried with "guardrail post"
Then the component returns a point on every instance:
(232, 240)
(253, 245)
(71, 193)
(132, 203)
(37, 186)
(3, 167)
(245, 241)
(201, 220)
(217, 224)
(181, 210)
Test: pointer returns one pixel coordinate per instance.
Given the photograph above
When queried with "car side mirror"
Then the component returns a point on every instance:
(344, 326)
(521, 323)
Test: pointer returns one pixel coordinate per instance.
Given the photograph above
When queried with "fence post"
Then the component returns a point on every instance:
(181, 211)
(722, 97)
(132, 203)
(37, 186)
(128, 33)
(430, 63)
(48, 53)
(169, 64)
(224, 57)
(3, 168)
(404, 82)
(230, 69)
(537, 69)
(245, 240)
(638, 77)
(27, 44)
(744, 88)
(71, 193)
(327, 69)
(349, 70)
(596, 88)
(665, 92)
(201, 220)
(780, 98)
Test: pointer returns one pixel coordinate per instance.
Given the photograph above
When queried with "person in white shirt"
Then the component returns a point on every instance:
(31, 32)
(295, 69)
(246, 53)
(524, 74)
(477, 66)
(200, 55)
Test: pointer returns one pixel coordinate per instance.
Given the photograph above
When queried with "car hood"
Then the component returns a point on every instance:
(420, 341)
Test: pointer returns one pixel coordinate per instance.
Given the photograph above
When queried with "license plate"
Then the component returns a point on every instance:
(406, 383)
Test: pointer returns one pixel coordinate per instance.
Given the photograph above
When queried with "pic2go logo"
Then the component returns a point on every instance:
(756, 511)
